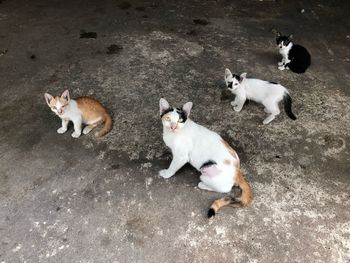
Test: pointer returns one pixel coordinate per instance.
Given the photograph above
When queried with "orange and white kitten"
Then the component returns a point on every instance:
(83, 110)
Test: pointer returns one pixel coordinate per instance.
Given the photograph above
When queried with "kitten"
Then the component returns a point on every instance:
(206, 151)
(294, 57)
(81, 110)
(267, 93)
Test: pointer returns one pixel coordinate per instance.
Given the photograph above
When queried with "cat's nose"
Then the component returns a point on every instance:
(173, 126)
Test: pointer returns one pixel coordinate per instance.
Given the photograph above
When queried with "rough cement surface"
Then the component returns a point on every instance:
(89, 200)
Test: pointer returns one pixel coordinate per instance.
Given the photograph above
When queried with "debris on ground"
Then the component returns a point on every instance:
(84, 34)
(114, 49)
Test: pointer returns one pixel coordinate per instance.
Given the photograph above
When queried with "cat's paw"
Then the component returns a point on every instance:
(61, 130)
(233, 104)
(280, 63)
(87, 129)
(165, 173)
(203, 186)
(237, 108)
(281, 67)
(268, 120)
(76, 135)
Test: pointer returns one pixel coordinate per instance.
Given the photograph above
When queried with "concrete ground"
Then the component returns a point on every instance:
(101, 200)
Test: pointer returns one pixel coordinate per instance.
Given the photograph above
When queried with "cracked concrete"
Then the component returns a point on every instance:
(89, 200)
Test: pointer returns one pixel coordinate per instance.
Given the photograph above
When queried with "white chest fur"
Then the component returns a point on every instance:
(72, 112)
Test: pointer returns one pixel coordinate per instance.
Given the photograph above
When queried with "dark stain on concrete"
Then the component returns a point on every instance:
(124, 5)
(138, 230)
(192, 32)
(114, 49)
(105, 241)
(85, 34)
(201, 22)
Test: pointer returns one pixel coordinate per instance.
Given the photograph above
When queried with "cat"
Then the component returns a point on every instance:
(83, 110)
(294, 57)
(265, 92)
(207, 152)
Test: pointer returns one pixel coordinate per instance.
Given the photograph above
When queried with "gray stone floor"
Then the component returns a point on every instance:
(90, 200)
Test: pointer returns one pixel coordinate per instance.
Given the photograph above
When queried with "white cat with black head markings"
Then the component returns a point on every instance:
(267, 93)
(206, 151)
(294, 57)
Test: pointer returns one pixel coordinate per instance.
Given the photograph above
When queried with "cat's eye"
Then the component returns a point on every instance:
(167, 118)
(181, 120)
(54, 107)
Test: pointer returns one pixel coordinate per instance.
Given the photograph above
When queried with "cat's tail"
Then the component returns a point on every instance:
(287, 100)
(108, 124)
(237, 202)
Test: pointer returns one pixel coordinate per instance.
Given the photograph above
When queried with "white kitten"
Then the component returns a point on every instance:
(206, 151)
(267, 93)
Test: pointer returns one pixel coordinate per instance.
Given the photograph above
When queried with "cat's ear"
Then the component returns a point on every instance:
(65, 95)
(163, 105)
(48, 98)
(242, 76)
(187, 108)
(290, 36)
(227, 73)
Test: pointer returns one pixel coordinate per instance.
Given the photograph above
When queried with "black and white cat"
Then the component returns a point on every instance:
(206, 151)
(267, 93)
(294, 57)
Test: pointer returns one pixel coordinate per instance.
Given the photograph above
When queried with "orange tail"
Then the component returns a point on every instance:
(243, 201)
(108, 125)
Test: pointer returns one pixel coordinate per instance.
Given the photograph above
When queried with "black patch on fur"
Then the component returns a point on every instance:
(236, 77)
(271, 82)
(182, 114)
(166, 111)
(288, 106)
(230, 84)
(300, 59)
(282, 39)
(208, 163)
(211, 213)
(179, 111)
(84, 34)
